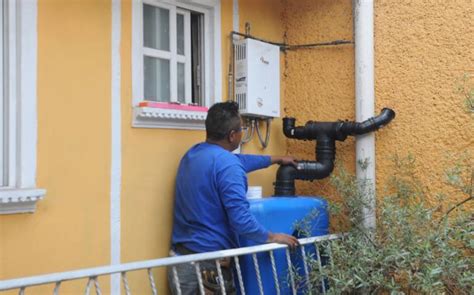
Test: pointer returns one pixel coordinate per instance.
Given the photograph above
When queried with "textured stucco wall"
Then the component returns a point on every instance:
(421, 49)
(319, 82)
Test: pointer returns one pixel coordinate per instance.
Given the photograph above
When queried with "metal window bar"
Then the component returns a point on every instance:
(126, 287)
(320, 267)
(275, 275)
(306, 270)
(257, 271)
(92, 274)
(290, 270)
(56, 288)
(239, 275)
(176, 280)
(221, 277)
(199, 276)
(152, 281)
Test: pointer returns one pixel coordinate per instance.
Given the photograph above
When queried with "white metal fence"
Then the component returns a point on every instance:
(92, 274)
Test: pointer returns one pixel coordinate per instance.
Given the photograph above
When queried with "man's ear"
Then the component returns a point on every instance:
(231, 136)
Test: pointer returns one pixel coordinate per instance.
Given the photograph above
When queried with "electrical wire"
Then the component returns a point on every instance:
(267, 136)
(284, 46)
(249, 134)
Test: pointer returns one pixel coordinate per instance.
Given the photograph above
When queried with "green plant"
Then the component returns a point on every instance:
(466, 89)
(415, 248)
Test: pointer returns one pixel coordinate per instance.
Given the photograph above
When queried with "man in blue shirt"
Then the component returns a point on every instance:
(211, 210)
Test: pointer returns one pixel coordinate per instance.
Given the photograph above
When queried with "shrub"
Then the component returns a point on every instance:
(416, 248)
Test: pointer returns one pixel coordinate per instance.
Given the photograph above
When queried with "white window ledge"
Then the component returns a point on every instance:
(20, 200)
(146, 117)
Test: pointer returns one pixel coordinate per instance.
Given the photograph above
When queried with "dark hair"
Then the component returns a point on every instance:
(222, 118)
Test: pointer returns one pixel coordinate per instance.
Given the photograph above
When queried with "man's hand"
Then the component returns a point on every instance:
(284, 160)
(283, 239)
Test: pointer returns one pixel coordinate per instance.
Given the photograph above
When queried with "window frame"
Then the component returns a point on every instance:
(20, 194)
(2, 99)
(172, 55)
(148, 117)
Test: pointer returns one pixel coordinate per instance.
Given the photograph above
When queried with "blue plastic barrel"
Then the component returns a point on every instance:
(300, 216)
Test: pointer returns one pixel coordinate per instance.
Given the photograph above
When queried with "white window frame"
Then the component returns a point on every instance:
(20, 194)
(172, 55)
(147, 117)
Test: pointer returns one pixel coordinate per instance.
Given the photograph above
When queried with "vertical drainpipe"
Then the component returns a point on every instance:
(363, 12)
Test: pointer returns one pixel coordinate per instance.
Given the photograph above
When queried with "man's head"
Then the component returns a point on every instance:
(223, 124)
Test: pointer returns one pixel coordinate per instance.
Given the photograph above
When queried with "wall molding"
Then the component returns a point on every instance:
(116, 147)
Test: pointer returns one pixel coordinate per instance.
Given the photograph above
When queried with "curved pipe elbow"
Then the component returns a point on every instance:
(369, 125)
(385, 117)
(310, 170)
(306, 170)
(291, 131)
(288, 126)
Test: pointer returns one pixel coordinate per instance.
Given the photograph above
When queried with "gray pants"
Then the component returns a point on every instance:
(188, 281)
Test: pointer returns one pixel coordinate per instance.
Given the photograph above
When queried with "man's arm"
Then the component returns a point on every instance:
(255, 162)
(283, 160)
(231, 182)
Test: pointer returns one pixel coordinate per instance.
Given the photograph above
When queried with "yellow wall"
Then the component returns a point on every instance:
(70, 229)
(421, 48)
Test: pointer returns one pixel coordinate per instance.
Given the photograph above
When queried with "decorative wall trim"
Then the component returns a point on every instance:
(20, 200)
(116, 147)
(145, 117)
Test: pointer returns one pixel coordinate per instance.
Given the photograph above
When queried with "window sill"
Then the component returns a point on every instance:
(14, 201)
(169, 117)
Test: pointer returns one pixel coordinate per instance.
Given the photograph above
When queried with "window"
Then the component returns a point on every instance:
(18, 192)
(176, 62)
(3, 154)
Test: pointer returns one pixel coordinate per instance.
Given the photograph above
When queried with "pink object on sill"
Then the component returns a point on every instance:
(172, 106)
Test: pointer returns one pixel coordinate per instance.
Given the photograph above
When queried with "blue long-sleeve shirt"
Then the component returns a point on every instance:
(211, 209)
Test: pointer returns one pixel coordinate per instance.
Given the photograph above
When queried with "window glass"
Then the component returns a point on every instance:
(197, 72)
(156, 79)
(156, 31)
(180, 33)
(172, 72)
(181, 83)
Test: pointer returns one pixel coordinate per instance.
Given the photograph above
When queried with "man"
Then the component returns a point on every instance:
(211, 210)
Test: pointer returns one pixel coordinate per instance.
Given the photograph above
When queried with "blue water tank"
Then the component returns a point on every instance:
(297, 215)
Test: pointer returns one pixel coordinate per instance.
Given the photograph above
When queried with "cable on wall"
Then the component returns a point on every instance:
(249, 133)
(284, 46)
(265, 142)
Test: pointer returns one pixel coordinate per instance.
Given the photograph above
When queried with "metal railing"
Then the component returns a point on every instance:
(92, 274)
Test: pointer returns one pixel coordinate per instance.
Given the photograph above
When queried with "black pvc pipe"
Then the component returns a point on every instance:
(369, 125)
(325, 134)
(285, 181)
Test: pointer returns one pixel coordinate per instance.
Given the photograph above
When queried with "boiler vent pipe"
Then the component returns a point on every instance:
(363, 14)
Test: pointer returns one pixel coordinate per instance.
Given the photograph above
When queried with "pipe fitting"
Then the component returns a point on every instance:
(325, 134)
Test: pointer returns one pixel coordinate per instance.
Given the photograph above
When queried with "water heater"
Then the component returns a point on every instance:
(257, 78)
